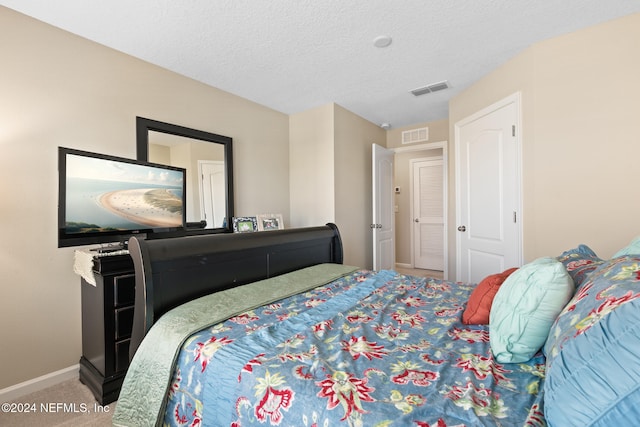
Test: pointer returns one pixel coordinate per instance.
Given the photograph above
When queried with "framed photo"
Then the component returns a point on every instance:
(245, 224)
(268, 222)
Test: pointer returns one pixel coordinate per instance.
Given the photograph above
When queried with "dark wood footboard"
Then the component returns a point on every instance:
(172, 271)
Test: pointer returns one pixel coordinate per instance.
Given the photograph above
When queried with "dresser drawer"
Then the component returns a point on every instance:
(122, 355)
(124, 290)
(124, 322)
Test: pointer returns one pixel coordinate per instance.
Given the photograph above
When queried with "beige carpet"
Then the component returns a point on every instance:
(68, 404)
(420, 273)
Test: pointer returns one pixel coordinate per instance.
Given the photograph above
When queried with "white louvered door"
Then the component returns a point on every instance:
(428, 214)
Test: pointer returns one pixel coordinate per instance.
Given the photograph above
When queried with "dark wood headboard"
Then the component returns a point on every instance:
(172, 271)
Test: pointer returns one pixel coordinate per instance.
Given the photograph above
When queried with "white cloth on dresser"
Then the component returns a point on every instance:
(83, 266)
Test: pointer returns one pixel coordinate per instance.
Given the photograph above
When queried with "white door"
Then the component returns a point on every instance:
(212, 193)
(428, 213)
(383, 226)
(488, 189)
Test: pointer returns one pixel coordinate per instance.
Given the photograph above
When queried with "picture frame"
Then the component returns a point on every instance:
(245, 224)
(268, 222)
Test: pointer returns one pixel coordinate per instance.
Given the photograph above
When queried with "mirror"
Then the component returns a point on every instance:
(207, 157)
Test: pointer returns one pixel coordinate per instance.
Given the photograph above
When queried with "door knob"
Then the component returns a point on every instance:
(416, 220)
(462, 228)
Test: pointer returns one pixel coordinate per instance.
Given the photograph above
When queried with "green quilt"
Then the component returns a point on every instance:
(142, 398)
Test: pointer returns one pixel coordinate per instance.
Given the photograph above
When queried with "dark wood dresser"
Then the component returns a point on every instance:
(107, 320)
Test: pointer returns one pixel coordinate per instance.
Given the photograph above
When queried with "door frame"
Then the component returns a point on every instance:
(438, 145)
(516, 99)
(201, 185)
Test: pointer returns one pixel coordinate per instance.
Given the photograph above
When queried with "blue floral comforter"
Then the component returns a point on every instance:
(368, 349)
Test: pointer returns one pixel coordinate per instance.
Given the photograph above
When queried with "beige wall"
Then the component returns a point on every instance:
(61, 90)
(311, 168)
(353, 185)
(438, 131)
(330, 171)
(580, 137)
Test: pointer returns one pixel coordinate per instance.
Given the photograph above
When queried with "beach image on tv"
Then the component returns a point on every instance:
(104, 195)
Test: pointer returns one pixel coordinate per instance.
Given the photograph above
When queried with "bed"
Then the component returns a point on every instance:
(292, 337)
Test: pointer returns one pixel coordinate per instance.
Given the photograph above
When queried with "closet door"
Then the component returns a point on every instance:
(488, 191)
(428, 213)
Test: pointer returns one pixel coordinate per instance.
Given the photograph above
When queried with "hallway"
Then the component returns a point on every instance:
(420, 273)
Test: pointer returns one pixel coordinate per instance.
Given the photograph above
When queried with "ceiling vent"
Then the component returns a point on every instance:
(415, 135)
(434, 87)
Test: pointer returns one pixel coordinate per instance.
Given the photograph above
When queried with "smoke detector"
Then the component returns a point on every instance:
(385, 126)
(434, 87)
(382, 41)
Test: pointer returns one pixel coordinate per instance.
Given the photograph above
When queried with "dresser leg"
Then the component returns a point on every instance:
(105, 390)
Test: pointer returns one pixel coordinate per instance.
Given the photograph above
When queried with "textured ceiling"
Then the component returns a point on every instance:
(295, 55)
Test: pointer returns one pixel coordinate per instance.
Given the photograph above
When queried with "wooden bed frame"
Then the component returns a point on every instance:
(172, 271)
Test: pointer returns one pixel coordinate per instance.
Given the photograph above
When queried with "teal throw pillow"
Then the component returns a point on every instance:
(525, 307)
(632, 248)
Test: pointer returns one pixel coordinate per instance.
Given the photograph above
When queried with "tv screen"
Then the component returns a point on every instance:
(104, 199)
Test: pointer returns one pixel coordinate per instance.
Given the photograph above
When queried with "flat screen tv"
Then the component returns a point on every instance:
(107, 199)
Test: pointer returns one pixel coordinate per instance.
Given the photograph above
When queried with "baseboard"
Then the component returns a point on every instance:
(403, 265)
(31, 386)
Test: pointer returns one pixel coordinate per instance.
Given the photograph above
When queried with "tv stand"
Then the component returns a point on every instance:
(107, 320)
(111, 248)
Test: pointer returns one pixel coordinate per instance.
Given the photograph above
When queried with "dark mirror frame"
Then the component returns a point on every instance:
(143, 126)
